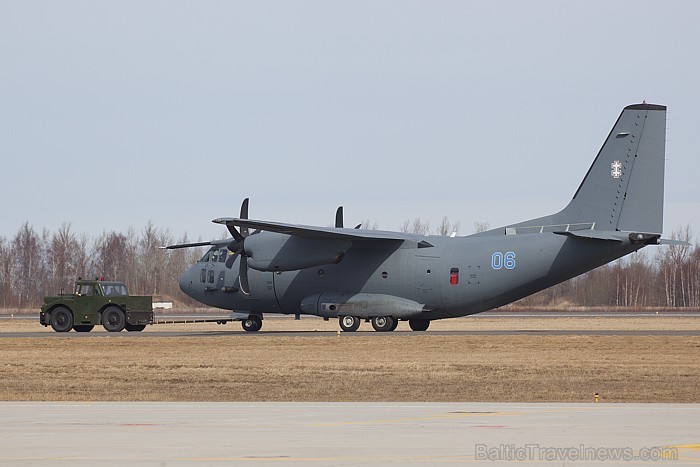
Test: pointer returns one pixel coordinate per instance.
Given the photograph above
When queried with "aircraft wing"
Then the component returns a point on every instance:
(190, 245)
(308, 231)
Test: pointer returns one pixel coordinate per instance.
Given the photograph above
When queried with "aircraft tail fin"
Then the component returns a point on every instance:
(624, 188)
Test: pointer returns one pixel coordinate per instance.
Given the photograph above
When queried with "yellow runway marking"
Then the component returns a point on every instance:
(689, 447)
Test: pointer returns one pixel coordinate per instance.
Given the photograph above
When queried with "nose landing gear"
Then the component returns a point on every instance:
(252, 324)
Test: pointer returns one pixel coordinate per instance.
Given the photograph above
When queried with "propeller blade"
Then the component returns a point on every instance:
(244, 215)
(339, 217)
(243, 276)
(234, 233)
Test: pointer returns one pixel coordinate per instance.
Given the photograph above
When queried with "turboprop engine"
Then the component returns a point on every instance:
(279, 252)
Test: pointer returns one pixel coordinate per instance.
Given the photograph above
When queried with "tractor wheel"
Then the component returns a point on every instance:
(113, 319)
(61, 319)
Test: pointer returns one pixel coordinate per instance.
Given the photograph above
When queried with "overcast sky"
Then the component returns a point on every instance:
(116, 113)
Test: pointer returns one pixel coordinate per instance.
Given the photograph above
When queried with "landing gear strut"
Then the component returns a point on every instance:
(252, 324)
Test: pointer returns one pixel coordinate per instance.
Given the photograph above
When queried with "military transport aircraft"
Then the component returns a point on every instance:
(354, 274)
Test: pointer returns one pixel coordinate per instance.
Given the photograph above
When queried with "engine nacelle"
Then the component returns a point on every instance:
(362, 305)
(279, 252)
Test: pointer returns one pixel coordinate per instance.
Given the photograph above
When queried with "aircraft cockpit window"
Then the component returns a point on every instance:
(214, 256)
(206, 256)
(222, 255)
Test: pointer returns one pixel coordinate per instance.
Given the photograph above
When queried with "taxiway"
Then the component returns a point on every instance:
(348, 433)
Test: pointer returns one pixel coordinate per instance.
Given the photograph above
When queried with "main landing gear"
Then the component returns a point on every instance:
(419, 324)
(381, 323)
(349, 323)
(384, 323)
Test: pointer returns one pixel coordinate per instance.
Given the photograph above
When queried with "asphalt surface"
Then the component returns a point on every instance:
(234, 328)
(340, 434)
(236, 331)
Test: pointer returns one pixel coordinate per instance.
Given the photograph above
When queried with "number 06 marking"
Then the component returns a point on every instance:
(499, 260)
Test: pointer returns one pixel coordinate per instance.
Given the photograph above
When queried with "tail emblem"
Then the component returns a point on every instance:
(616, 172)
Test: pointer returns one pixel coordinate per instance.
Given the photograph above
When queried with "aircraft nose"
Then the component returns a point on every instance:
(187, 282)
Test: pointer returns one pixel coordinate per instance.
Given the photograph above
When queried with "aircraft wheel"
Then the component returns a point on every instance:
(134, 327)
(419, 324)
(395, 325)
(61, 319)
(83, 327)
(349, 323)
(252, 324)
(113, 319)
(383, 323)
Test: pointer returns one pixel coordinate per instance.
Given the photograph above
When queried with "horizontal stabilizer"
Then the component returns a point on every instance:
(594, 235)
(668, 241)
(637, 238)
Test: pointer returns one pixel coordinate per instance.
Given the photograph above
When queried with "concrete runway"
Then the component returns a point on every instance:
(340, 434)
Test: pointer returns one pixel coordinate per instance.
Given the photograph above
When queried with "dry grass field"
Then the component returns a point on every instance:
(367, 367)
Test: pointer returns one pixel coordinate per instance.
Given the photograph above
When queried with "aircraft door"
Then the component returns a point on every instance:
(427, 280)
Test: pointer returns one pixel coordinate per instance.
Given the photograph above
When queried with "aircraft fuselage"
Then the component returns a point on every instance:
(454, 277)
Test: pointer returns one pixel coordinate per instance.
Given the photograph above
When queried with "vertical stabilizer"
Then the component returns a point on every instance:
(624, 188)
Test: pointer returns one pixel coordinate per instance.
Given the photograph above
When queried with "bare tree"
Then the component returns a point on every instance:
(152, 259)
(481, 226)
(27, 266)
(5, 274)
(111, 256)
(416, 227)
(369, 225)
(62, 262)
(447, 228)
(671, 265)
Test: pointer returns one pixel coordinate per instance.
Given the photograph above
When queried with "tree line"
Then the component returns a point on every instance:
(38, 263)
(35, 264)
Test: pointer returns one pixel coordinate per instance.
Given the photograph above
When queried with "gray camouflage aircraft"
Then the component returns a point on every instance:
(354, 274)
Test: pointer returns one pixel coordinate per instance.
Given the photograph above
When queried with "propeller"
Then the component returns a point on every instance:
(237, 247)
(339, 217)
